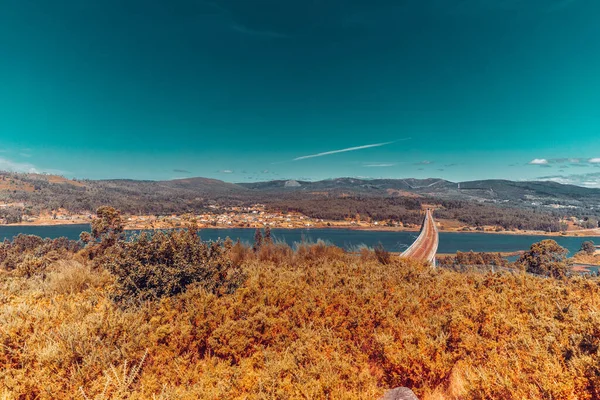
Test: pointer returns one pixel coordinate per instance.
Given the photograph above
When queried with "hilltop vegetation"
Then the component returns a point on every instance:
(408, 211)
(170, 317)
(506, 205)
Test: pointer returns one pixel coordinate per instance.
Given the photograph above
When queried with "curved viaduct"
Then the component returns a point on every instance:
(425, 246)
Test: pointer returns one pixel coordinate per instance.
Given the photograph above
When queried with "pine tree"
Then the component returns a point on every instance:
(258, 240)
(588, 247)
(268, 239)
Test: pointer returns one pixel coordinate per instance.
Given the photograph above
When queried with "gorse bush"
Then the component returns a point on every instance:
(71, 276)
(316, 323)
(220, 320)
(28, 254)
(382, 255)
(163, 264)
(545, 258)
(588, 247)
(469, 259)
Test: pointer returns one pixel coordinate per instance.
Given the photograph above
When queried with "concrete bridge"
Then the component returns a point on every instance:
(425, 246)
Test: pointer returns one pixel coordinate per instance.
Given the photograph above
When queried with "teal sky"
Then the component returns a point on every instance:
(244, 90)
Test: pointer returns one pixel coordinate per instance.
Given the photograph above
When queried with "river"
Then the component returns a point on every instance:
(450, 242)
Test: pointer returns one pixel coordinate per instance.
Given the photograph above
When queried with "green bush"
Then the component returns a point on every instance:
(545, 258)
(588, 247)
(164, 264)
(29, 255)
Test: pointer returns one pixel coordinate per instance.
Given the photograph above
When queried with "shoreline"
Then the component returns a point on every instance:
(578, 233)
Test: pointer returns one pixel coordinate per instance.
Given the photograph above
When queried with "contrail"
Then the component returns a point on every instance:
(367, 146)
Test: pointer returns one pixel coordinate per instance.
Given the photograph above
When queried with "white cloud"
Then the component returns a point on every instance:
(538, 161)
(326, 153)
(595, 160)
(226, 171)
(11, 166)
(591, 180)
(379, 165)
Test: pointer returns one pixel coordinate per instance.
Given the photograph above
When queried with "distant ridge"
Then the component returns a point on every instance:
(480, 189)
(193, 194)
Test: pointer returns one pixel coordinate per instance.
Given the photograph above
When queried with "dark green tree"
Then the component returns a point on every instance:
(268, 238)
(588, 247)
(258, 240)
(108, 224)
(382, 255)
(545, 258)
(86, 237)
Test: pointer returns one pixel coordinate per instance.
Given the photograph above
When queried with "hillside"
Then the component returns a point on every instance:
(508, 204)
(351, 185)
(39, 193)
(484, 189)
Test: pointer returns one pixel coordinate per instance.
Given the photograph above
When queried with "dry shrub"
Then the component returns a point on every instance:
(28, 255)
(383, 256)
(118, 381)
(29, 265)
(366, 254)
(70, 276)
(165, 264)
(315, 252)
(321, 324)
(238, 254)
(275, 252)
(53, 343)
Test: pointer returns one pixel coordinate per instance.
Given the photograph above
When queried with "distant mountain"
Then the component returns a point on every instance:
(534, 188)
(352, 185)
(491, 189)
(46, 192)
(504, 190)
(204, 185)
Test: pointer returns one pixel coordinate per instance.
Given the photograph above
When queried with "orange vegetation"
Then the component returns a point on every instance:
(313, 323)
(10, 184)
(584, 258)
(403, 193)
(62, 179)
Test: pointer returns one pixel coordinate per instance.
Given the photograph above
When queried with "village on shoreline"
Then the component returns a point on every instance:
(257, 216)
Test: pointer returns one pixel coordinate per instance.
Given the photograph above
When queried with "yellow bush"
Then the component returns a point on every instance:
(70, 276)
(315, 323)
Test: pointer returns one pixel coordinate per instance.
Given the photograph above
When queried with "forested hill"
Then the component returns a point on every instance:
(499, 202)
(47, 192)
(482, 189)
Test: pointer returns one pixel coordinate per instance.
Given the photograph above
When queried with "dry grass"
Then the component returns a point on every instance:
(10, 184)
(72, 276)
(581, 257)
(307, 324)
(61, 180)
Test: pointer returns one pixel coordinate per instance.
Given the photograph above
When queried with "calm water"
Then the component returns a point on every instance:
(393, 241)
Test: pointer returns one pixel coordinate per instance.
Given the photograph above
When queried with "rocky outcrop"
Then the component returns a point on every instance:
(292, 183)
(399, 393)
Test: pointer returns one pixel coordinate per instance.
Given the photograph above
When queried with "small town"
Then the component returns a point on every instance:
(255, 216)
(258, 216)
